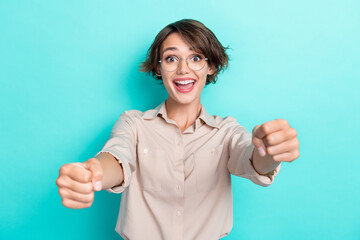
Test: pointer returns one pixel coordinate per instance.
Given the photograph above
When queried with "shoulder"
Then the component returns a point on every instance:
(128, 121)
(223, 121)
(229, 124)
(132, 114)
(128, 118)
(137, 115)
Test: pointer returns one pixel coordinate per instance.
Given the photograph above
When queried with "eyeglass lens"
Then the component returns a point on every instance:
(195, 62)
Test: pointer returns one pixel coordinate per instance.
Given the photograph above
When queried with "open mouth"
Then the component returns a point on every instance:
(184, 86)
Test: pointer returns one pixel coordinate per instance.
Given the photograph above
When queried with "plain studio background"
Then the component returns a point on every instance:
(69, 69)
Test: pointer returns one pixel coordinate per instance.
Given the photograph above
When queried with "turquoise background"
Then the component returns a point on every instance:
(68, 69)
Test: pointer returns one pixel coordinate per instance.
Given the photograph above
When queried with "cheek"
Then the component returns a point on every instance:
(166, 80)
(202, 76)
(166, 84)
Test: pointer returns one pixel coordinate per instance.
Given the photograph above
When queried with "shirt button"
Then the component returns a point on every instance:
(178, 187)
(178, 213)
(146, 150)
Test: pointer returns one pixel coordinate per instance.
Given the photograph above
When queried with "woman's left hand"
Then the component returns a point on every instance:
(277, 140)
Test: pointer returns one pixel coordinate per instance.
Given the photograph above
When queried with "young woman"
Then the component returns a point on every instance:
(173, 163)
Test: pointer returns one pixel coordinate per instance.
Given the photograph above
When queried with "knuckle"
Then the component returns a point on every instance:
(64, 170)
(88, 188)
(93, 160)
(294, 155)
(59, 182)
(90, 197)
(65, 202)
(62, 192)
(88, 162)
(87, 205)
(294, 144)
(293, 132)
(265, 127)
(284, 122)
(255, 128)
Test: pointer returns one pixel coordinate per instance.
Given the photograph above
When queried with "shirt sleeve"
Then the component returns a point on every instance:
(240, 164)
(122, 145)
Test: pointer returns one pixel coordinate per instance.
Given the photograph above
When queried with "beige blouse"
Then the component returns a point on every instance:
(178, 185)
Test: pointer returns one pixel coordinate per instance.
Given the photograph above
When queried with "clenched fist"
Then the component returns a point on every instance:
(78, 181)
(277, 140)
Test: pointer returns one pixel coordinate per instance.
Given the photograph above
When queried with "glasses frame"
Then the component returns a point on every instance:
(187, 63)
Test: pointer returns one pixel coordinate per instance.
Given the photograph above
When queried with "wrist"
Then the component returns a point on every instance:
(264, 166)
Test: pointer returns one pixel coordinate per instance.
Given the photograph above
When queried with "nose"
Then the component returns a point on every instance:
(183, 67)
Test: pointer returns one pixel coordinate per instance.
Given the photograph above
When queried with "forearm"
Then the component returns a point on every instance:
(263, 165)
(113, 174)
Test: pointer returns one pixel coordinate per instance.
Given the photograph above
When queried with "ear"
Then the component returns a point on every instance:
(211, 70)
(157, 71)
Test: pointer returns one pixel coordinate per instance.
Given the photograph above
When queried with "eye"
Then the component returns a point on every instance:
(171, 59)
(196, 58)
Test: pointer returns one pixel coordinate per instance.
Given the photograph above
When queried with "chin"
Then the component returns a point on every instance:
(185, 99)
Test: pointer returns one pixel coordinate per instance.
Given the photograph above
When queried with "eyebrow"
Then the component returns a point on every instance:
(173, 49)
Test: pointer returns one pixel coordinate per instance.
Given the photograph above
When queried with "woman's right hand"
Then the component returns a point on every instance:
(78, 181)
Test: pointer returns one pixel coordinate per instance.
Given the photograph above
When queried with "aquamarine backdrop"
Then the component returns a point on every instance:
(68, 69)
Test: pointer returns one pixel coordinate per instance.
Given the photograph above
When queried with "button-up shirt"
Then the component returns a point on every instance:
(177, 185)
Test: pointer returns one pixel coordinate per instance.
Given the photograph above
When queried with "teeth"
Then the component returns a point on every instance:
(185, 82)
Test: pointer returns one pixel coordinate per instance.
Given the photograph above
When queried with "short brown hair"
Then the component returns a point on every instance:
(199, 37)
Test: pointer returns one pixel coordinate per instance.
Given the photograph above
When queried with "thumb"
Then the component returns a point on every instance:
(258, 142)
(94, 166)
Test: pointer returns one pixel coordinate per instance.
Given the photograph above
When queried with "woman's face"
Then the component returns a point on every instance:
(183, 85)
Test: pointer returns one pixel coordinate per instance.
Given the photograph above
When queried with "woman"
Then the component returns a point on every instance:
(173, 163)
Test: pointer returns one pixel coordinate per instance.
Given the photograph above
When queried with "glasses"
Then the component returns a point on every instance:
(195, 62)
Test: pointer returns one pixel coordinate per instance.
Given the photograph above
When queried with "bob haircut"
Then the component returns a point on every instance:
(199, 37)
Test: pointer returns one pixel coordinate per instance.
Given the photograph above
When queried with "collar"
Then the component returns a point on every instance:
(161, 110)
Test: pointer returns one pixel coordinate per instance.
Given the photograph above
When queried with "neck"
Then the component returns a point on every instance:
(183, 114)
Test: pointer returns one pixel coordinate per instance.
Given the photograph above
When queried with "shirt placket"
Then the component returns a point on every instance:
(179, 187)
